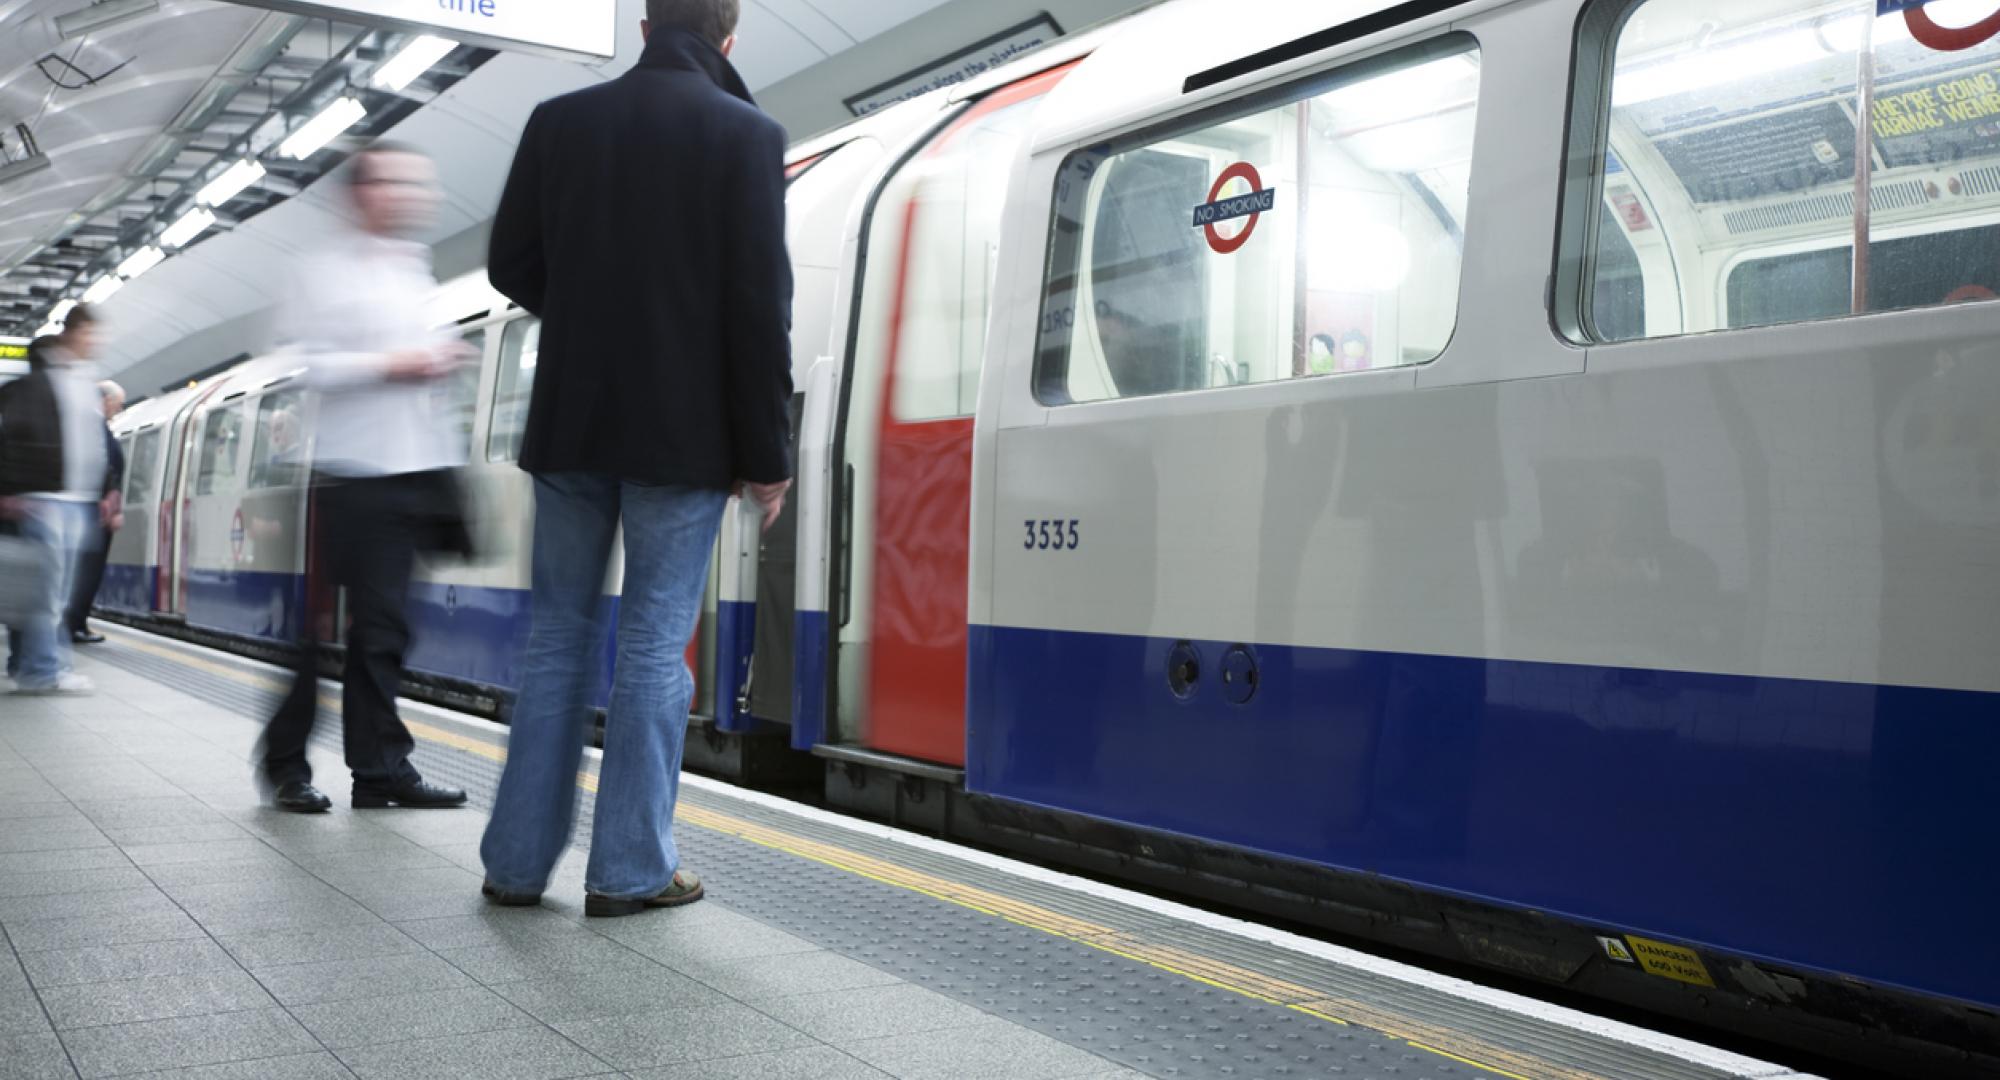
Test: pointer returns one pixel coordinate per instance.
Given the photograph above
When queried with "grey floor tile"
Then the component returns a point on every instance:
(143, 900)
(705, 934)
(357, 941)
(845, 1016)
(762, 977)
(995, 1050)
(100, 857)
(680, 1036)
(104, 963)
(21, 1013)
(175, 1044)
(349, 980)
(494, 926)
(537, 958)
(67, 836)
(254, 917)
(163, 998)
(199, 851)
(205, 832)
(34, 1057)
(321, 1066)
(48, 807)
(606, 994)
(810, 1063)
(364, 868)
(84, 931)
(517, 1054)
(50, 883)
(271, 868)
(402, 1017)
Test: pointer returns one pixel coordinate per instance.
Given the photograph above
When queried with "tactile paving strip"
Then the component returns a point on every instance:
(1165, 998)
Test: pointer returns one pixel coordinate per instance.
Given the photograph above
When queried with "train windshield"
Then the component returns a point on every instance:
(1731, 195)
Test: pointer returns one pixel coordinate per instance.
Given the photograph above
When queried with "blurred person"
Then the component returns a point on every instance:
(375, 364)
(663, 384)
(53, 467)
(110, 517)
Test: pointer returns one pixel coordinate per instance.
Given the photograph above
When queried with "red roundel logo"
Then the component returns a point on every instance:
(1248, 207)
(1949, 38)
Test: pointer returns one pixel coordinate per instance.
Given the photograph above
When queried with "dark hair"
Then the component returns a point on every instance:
(713, 20)
(38, 351)
(1326, 340)
(357, 167)
(79, 317)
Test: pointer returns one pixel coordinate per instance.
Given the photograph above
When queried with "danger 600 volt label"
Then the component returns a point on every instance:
(1670, 961)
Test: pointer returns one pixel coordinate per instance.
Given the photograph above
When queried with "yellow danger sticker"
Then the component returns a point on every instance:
(1670, 961)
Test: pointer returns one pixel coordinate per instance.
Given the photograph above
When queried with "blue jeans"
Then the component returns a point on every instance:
(669, 539)
(64, 530)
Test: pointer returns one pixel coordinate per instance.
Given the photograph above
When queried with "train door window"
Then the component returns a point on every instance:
(520, 349)
(952, 197)
(140, 466)
(1720, 181)
(458, 396)
(221, 438)
(1312, 231)
(277, 458)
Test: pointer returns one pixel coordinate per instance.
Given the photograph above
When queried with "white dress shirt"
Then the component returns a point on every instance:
(349, 309)
(80, 411)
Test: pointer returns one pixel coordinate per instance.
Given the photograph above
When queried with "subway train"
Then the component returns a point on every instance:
(1493, 478)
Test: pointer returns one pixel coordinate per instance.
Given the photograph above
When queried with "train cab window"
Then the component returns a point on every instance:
(277, 458)
(458, 396)
(1313, 232)
(520, 348)
(221, 439)
(141, 465)
(1718, 188)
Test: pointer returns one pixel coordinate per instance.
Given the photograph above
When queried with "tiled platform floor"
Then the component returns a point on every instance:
(158, 921)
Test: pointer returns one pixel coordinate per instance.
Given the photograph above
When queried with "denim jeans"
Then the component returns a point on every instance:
(64, 530)
(670, 536)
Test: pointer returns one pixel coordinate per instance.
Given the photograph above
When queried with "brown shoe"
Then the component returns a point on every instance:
(685, 889)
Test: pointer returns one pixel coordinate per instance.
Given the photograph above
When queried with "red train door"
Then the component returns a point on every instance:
(934, 237)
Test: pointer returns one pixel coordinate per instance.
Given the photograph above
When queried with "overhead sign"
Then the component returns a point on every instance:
(968, 63)
(574, 28)
(13, 350)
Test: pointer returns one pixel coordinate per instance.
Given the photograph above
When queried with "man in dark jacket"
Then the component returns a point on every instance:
(52, 485)
(644, 223)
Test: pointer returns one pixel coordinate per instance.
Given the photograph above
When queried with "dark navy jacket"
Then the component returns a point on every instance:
(644, 222)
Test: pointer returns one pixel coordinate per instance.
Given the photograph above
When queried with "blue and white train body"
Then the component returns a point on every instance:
(1445, 471)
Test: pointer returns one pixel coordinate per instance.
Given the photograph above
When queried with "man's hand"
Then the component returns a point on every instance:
(423, 365)
(770, 496)
(111, 511)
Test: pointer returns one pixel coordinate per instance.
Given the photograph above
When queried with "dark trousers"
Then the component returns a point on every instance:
(89, 578)
(369, 532)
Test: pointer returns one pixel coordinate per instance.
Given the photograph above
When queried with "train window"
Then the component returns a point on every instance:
(952, 197)
(520, 348)
(1721, 178)
(141, 465)
(458, 396)
(221, 438)
(1311, 232)
(277, 459)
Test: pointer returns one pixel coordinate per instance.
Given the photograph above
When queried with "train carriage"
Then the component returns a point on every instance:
(1494, 477)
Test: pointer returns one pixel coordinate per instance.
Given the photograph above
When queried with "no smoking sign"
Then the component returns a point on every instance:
(1247, 208)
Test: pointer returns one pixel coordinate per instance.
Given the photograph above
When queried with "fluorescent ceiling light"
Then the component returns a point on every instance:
(231, 183)
(61, 311)
(192, 224)
(141, 261)
(104, 13)
(100, 292)
(323, 129)
(416, 58)
(49, 329)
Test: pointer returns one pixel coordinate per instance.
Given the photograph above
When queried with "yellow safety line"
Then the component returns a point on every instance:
(1220, 975)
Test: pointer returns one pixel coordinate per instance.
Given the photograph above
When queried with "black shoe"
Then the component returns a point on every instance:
(87, 637)
(411, 794)
(507, 897)
(299, 797)
(685, 888)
